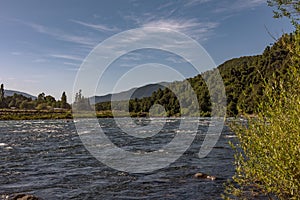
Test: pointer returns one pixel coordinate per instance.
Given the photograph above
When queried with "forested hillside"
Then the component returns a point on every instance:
(243, 78)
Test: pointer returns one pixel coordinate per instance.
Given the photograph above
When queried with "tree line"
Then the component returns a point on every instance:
(42, 102)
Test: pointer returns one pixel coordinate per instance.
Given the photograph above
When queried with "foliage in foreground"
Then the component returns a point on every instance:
(267, 155)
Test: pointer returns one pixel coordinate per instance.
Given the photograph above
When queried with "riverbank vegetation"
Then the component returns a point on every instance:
(268, 151)
(20, 114)
(268, 147)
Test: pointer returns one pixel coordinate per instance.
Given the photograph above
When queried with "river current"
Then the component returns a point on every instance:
(47, 158)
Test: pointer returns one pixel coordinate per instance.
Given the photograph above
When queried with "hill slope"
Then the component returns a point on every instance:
(141, 92)
(12, 92)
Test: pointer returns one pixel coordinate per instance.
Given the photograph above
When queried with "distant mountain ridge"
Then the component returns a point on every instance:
(139, 92)
(12, 92)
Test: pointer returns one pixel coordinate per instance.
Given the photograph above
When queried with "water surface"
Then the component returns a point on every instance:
(48, 159)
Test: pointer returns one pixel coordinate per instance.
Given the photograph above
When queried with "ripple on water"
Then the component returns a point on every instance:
(47, 158)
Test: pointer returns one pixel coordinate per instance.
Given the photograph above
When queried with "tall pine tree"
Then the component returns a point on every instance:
(63, 100)
(2, 100)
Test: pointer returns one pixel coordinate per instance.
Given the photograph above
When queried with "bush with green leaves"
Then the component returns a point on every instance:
(267, 155)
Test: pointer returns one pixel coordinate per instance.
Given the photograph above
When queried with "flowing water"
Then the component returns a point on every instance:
(47, 159)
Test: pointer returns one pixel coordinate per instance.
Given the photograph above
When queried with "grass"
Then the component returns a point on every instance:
(9, 114)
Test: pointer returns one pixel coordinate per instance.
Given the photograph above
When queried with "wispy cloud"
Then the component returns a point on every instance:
(132, 56)
(166, 5)
(169, 16)
(195, 2)
(39, 60)
(175, 60)
(31, 81)
(61, 35)
(16, 53)
(71, 64)
(67, 57)
(191, 27)
(238, 5)
(73, 69)
(98, 27)
(241, 4)
(127, 65)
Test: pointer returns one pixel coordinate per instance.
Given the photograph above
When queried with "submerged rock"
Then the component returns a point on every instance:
(25, 197)
(4, 197)
(205, 176)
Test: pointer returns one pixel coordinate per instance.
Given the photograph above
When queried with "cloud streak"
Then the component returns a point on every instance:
(98, 27)
(67, 57)
(195, 2)
(192, 27)
(238, 5)
(61, 35)
(71, 64)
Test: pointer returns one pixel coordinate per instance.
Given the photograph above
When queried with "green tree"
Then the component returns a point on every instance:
(81, 103)
(2, 99)
(41, 98)
(63, 100)
(25, 104)
(204, 102)
(286, 8)
(41, 106)
(50, 100)
(12, 103)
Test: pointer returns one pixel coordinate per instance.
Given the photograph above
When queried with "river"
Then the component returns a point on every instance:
(47, 158)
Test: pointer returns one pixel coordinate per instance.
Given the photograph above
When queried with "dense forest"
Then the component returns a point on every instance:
(244, 79)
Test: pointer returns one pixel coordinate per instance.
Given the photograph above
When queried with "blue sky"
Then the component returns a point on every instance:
(43, 43)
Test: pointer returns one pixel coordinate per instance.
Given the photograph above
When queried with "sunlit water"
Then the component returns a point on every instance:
(48, 159)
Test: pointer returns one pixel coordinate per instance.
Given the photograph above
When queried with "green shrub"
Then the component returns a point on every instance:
(267, 155)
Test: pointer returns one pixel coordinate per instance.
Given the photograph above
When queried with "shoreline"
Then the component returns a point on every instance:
(19, 114)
